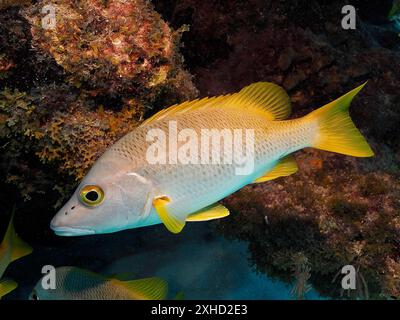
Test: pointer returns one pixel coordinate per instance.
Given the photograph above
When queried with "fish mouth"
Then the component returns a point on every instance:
(71, 231)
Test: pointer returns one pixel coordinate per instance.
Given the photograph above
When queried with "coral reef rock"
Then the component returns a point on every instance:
(113, 46)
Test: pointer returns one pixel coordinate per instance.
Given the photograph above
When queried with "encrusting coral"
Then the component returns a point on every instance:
(113, 46)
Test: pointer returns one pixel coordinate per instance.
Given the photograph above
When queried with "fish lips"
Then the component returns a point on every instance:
(71, 231)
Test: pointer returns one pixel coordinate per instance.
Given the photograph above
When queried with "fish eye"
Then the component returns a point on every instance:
(91, 195)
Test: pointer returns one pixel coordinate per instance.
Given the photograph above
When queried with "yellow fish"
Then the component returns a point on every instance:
(11, 248)
(77, 284)
(167, 170)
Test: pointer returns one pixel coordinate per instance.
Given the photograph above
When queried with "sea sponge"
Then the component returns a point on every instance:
(112, 46)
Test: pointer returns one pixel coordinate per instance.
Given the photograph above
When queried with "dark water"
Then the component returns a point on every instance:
(197, 262)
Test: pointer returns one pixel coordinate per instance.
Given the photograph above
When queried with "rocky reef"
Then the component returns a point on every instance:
(67, 93)
(113, 46)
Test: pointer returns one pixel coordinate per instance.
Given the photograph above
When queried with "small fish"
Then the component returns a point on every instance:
(123, 190)
(78, 284)
(395, 10)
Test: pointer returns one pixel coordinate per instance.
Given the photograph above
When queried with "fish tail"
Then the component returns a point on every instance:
(336, 131)
(6, 286)
(18, 248)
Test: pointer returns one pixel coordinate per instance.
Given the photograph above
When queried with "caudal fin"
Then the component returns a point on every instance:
(16, 246)
(336, 131)
(6, 286)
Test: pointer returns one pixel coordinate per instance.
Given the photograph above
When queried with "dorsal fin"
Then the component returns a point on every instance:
(267, 97)
(264, 97)
(186, 106)
(148, 289)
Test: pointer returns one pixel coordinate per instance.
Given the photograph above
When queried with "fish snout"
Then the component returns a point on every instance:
(62, 228)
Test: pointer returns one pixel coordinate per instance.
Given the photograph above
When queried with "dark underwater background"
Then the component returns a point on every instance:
(66, 95)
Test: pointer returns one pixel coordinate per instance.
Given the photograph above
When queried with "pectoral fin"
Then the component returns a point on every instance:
(215, 211)
(173, 224)
(285, 167)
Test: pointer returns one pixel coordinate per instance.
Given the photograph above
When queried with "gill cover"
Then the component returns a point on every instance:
(134, 194)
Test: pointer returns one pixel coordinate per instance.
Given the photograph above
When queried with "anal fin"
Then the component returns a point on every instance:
(285, 167)
(215, 211)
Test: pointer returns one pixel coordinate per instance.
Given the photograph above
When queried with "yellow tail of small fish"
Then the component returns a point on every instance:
(6, 286)
(16, 246)
(336, 130)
